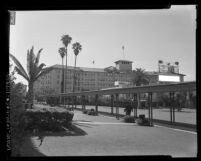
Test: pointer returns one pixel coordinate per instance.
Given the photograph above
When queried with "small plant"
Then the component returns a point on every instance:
(92, 112)
(142, 121)
(129, 119)
(85, 111)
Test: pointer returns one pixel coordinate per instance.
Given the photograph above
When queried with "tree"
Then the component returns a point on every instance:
(16, 121)
(76, 48)
(66, 40)
(62, 52)
(180, 100)
(11, 76)
(140, 78)
(34, 70)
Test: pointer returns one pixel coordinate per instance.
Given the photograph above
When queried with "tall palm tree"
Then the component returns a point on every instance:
(66, 40)
(34, 70)
(62, 52)
(76, 48)
(140, 78)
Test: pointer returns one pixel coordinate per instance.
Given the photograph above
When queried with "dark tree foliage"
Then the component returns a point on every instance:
(17, 118)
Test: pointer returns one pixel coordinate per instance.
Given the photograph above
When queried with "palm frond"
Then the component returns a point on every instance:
(38, 57)
(62, 52)
(43, 72)
(66, 39)
(21, 73)
(28, 65)
(31, 63)
(77, 48)
(38, 69)
(18, 64)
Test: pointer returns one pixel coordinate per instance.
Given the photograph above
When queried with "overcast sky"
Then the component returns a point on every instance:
(148, 36)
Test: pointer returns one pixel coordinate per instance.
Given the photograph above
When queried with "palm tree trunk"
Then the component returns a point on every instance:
(66, 74)
(74, 80)
(138, 100)
(62, 81)
(62, 88)
(74, 74)
(30, 94)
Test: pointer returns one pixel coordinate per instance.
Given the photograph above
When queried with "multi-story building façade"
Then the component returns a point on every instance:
(87, 79)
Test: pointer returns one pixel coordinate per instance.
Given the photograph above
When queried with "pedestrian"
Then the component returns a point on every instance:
(128, 108)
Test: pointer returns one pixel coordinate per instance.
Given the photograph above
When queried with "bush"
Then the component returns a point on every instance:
(90, 112)
(93, 113)
(85, 111)
(48, 120)
(143, 122)
(129, 119)
(17, 118)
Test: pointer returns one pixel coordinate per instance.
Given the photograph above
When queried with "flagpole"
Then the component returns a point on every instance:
(123, 52)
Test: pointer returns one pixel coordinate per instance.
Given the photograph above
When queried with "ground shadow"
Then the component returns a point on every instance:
(29, 150)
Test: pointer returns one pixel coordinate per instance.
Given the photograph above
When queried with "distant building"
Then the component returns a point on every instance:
(164, 77)
(88, 79)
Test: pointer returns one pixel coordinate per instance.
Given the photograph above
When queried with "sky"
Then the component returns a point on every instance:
(147, 36)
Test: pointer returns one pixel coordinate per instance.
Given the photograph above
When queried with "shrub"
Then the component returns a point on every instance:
(90, 112)
(143, 122)
(17, 118)
(93, 113)
(129, 119)
(48, 120)
(85, 111)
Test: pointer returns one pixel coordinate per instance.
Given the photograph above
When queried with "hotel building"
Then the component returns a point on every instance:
(87, 79)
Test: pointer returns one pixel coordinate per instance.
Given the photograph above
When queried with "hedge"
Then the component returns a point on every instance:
(48, 120)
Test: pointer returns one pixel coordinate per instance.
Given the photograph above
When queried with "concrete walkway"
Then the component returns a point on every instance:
(107, 136)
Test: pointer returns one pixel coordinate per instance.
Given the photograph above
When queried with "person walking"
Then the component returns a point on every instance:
(128, 108)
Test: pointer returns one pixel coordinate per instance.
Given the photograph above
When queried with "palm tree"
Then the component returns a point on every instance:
(140, 78)
(76, 48)
(62, 52)
(66, 40)
(34, 70)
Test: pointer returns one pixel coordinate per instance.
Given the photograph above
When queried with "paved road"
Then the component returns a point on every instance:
(108, 136)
